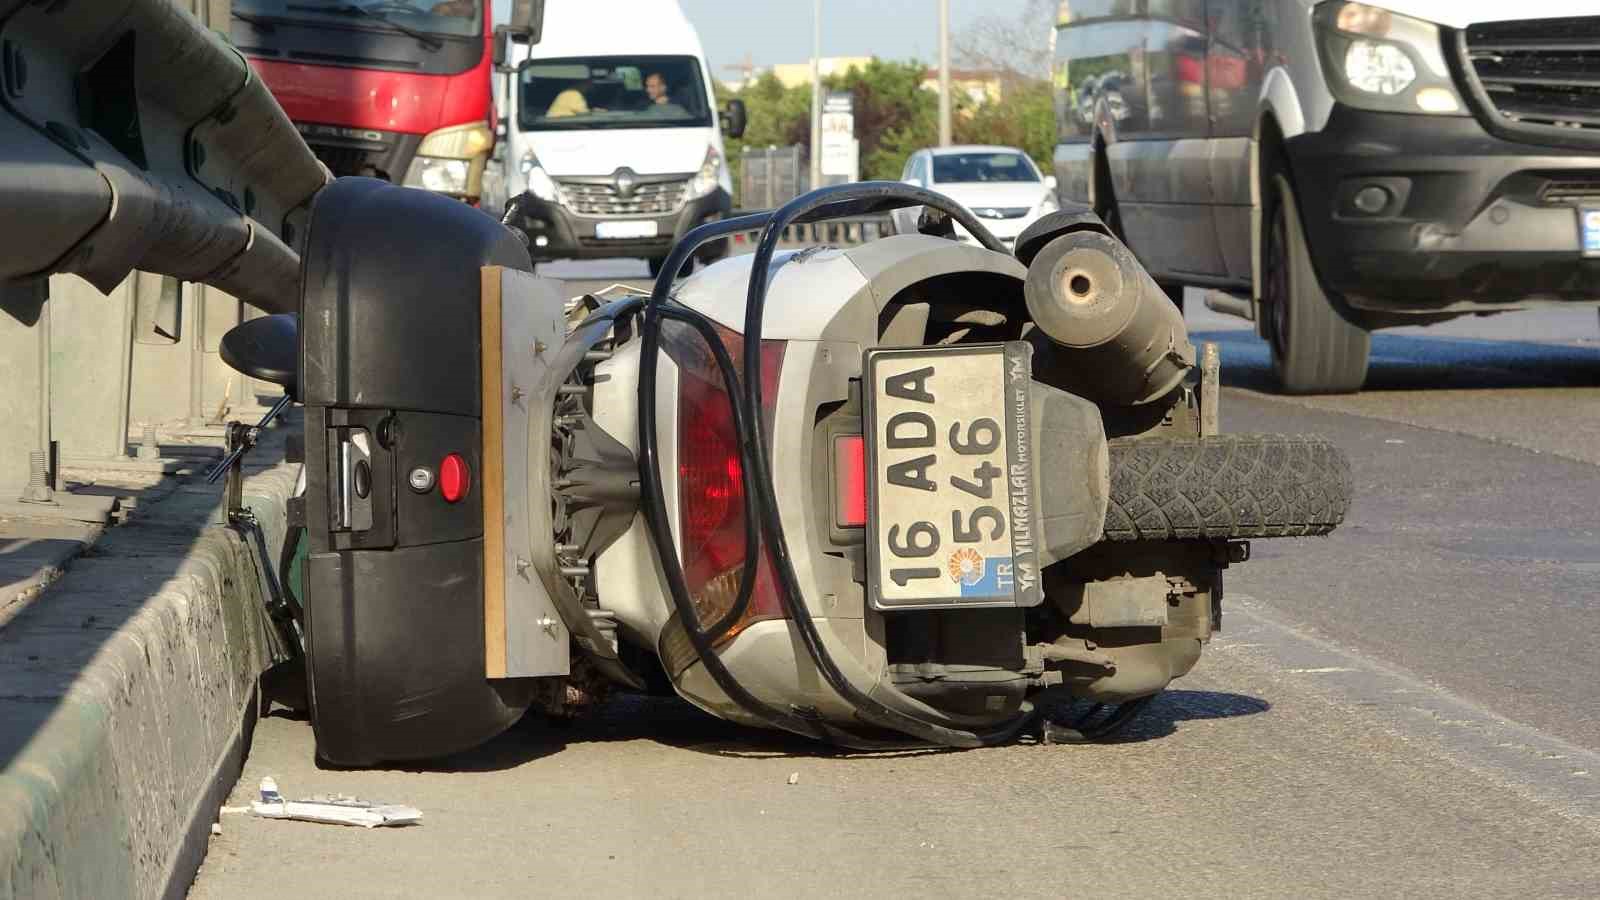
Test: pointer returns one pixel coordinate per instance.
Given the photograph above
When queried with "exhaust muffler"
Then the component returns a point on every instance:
(1088, 294)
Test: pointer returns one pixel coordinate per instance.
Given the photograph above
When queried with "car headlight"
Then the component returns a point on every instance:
(1380, 60)
(540, 184)
(710, 175)
(1378, 68)
(447, 176)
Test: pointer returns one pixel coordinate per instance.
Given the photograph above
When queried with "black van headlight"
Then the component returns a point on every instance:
(1379, 60)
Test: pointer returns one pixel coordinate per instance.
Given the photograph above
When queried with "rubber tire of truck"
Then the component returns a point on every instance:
(1226, 487)
(1314, 349)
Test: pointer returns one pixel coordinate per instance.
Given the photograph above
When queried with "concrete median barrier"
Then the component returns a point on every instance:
(128, 691)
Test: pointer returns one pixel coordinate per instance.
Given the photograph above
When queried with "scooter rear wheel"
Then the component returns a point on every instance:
(1226, 487)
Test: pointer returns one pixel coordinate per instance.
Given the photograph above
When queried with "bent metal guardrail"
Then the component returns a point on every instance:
(133, 138)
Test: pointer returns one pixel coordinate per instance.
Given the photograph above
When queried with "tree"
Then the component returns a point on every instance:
(1024, 118)
(1017, 49)
(894, 116)
(778, 116)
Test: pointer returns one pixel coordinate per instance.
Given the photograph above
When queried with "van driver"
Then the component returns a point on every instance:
(655, 84)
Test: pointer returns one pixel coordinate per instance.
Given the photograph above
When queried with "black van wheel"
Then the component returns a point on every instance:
(1314, 350)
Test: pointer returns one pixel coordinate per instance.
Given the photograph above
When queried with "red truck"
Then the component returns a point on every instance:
(393, 89)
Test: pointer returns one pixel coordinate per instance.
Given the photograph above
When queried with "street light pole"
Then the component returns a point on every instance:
(944, 73)
(816, 94)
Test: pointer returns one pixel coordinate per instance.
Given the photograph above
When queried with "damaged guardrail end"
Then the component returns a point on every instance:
(132, 137)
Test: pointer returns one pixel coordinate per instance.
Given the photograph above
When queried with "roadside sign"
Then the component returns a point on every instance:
(840, 151)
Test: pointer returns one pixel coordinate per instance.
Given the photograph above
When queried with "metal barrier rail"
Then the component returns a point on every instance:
(131, 137)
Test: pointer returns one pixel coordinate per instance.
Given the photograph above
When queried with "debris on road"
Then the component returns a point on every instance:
(332, 809)
(794, 777)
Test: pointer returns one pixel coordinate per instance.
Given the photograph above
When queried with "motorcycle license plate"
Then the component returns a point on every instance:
(951, 498)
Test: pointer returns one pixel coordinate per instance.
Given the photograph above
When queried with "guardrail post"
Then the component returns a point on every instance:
(182, 387)
(28, 464)
(770, 171)
(93, 349)
(23, 403)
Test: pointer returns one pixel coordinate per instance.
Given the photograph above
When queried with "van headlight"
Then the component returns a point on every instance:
(444, 159)
(709, 178)
(1380, 60)
(539, 182)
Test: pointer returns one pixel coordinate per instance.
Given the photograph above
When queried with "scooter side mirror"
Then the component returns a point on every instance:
(266, 348)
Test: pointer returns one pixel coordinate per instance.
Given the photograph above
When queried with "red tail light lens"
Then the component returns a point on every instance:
(710, 477)
(850, 481)
(455, 478)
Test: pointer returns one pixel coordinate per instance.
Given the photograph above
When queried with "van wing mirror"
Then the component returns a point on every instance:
(527, 21)
(734, 118)
(502, 50)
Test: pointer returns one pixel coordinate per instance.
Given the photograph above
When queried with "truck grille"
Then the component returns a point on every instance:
(1540, 79)
(344, 161)
(602, 198)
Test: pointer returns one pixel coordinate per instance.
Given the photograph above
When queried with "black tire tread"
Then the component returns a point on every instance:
(1328, 355)
(1226, 487)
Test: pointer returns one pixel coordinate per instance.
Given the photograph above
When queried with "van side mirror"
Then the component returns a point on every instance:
(502, 46)
(527, 21)
(734, 118)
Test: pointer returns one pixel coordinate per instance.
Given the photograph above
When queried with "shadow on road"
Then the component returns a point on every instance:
(1403, 362)
(674, 723)
(1171, 708)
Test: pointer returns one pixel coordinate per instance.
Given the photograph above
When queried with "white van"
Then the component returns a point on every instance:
(611, 125)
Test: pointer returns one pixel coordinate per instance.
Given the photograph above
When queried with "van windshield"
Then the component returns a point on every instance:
(612, 92)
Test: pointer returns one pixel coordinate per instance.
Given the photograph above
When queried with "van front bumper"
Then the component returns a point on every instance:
(1417, 214)
(555, 232)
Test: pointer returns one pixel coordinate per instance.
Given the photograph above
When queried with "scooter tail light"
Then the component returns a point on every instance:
(850, 481)
(455, 478)
(710, 477)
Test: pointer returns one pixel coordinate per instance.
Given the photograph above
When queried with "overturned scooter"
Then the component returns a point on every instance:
(916, 492)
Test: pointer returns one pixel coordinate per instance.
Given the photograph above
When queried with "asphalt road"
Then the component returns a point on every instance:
(1405, 708)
